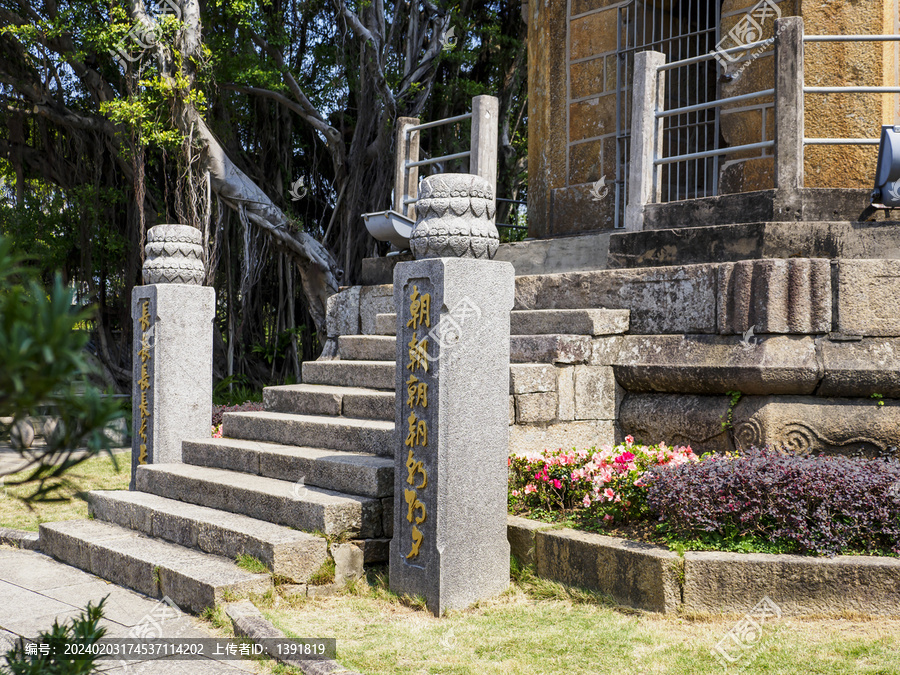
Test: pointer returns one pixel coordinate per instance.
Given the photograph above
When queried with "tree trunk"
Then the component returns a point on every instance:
(316, 265)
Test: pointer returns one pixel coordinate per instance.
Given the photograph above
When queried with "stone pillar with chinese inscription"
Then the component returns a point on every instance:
(452, 409)
(173, 331)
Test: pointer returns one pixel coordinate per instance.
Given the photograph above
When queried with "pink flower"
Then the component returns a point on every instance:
(586, 501)
(515, 493)
(557, 483)
(608, 493)
(607, 517)
(529, 488)
(629, 441)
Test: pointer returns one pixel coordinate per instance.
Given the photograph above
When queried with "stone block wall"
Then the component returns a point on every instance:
(811, 345)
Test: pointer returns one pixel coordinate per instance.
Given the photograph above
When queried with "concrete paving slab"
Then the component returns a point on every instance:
(7, 640)
(30, 603)
(41, 573)
(172, 667)
(16, 601)
(121, 605)
(29, 626)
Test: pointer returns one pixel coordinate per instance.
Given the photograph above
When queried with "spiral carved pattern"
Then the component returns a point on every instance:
(797, 438)
(749, 434)
(173, 255)
(455, 218)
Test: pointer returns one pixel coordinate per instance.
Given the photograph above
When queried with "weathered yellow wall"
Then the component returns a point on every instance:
(572, 114)
(546, 140)
(755, 71)
(846, 64)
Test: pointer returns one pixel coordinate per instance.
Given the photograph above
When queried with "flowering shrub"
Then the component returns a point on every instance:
(606, 485)
(807, 504)
(217, 431)
(219, 410)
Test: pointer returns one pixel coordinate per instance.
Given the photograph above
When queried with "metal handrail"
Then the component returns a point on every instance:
(851, 38)
(437, 123)
(713, 104)
(851, 90)
(712, 55)
(841, 141)
(713, 153)
(435, 160)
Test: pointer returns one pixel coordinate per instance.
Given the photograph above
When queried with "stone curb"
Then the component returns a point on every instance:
(717, 582)
(632, 574)
(249, 622)
(653, 578)
(20, 538)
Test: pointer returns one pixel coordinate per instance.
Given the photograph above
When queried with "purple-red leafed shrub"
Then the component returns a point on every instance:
(219, 410)
(814, 504)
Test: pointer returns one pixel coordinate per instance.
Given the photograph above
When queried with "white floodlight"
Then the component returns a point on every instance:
(887, 175)
(390, 226)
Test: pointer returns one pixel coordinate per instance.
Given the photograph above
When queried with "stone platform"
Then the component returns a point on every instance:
(798, 318)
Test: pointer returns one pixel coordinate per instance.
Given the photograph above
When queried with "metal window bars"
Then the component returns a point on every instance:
(685, 32)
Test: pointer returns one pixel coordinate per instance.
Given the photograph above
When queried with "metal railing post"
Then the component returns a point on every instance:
(485, 120)
(646, 136)
(789, 116)
(406, 179)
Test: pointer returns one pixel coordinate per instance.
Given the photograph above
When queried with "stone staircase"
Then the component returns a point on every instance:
(317, 463)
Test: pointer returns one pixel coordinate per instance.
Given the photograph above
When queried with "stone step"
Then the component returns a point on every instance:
(286, 552)
(275, 501)
(313, 431)
(545, 322)
(364, 374)
(367, 348)
(569, 321)
(349, 472)
(324, 399)
(193, 580)
(562, 349)
(385, 324)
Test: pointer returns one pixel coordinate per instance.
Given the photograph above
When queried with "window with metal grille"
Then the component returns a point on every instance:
(680, 29)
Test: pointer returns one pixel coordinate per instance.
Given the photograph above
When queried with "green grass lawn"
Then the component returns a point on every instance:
(540, 627)
(97, 473)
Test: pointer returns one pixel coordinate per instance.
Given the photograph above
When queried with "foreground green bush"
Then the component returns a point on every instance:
(85, 629)
(43, 372)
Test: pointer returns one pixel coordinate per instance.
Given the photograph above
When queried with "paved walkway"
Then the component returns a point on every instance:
(35, 590)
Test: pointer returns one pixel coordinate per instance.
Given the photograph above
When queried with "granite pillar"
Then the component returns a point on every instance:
(173, 315)
(452, 405)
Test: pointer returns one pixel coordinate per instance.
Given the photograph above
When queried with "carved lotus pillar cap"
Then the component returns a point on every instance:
(455, 218)
(174, 255)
